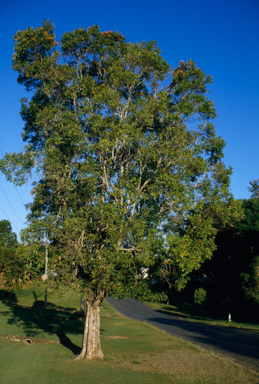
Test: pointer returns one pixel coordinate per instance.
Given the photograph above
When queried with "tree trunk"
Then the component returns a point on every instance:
(91, 347)
(82, 306)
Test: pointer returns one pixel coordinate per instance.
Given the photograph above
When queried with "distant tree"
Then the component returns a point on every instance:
(250, 284)
(8, 247)
(248, 231)
(8, 238)
(19, 263)
(232, 274)
(254, 189)
(123, 179)
(200, 296)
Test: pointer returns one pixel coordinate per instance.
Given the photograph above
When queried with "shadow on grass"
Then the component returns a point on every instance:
(8, 296)
(35, 320)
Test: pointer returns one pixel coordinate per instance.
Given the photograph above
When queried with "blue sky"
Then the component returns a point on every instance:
(221, 36)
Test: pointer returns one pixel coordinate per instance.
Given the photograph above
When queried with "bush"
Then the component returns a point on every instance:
(200, 296)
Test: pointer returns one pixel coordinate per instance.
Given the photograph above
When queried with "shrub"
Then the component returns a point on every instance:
(200, 296)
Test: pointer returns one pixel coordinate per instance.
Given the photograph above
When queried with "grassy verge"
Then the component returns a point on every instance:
(190, 312)
(134, 352)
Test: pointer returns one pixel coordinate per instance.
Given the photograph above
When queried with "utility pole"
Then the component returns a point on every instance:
(46, 271)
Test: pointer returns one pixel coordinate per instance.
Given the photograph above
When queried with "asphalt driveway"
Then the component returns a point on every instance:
(241, 346)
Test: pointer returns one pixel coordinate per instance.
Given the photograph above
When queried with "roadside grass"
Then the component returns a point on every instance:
(134, 352)
(241, 318)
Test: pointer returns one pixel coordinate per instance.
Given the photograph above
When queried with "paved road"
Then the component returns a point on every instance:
(241, 346)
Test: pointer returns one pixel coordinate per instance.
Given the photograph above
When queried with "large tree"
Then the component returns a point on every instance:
(129, 168)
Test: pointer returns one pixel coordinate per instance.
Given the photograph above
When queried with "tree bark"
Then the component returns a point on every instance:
(91, 347)
(82, 306)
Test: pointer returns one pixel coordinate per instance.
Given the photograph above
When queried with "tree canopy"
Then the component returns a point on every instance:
(129, 167)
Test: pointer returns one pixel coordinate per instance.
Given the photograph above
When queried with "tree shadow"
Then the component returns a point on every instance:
(8, 296)
(37, 320)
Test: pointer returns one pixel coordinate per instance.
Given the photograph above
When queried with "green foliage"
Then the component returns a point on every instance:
(250, 278)
(254, 189)
(248, 230)
(8, 247)
(200, 296)
(232, 274)
(8, 239)
(250, 221)
(19, 264)
(124, 181)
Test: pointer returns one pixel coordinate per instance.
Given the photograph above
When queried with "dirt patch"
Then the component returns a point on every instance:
(30, 340)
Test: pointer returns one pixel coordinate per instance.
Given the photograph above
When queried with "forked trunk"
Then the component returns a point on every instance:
(91, 347)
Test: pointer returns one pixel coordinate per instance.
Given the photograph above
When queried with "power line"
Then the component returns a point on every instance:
(9, 219)
(20, 198)
(10, 204)
(15, 187)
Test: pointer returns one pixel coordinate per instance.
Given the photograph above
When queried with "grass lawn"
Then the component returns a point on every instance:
(134, 352)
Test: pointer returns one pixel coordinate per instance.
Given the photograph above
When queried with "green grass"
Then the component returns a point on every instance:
(134, 352)
(241, 319)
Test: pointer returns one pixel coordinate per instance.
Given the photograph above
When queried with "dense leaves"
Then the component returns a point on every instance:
(232, 277)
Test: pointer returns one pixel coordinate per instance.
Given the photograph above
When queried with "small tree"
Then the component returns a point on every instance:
(200, 296)
(254, 189)
(124, 181)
